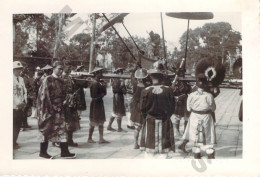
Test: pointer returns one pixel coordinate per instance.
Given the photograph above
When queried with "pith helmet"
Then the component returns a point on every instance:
(17, 65)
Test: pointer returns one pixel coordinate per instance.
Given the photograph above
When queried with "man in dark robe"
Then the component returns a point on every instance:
(157, 106)
(119, 89)
(97, 111)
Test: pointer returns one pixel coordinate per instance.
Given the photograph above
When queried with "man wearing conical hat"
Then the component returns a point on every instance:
(119, 90)
(157, 107)
(97, 115)
(47, 71)
(136, 114)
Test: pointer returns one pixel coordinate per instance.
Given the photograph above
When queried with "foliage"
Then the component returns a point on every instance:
(212, 41)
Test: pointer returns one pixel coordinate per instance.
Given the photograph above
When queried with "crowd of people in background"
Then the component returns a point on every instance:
(53, 97)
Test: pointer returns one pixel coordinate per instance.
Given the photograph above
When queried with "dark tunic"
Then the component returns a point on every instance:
(119, 89)
(36, 86)
(157, 106)
(81, 100)
(97, 110)
(30, 96)
(50, 111)
(136, 115)
(181, 94)
(70, 108)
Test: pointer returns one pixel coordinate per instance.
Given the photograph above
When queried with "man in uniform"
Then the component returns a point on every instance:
(157, 106)
(119, 89)
(19, 100)
(97, 111)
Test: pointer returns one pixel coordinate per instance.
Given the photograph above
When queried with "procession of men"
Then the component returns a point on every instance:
(56, 100)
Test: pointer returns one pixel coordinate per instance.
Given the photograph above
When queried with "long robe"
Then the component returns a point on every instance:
(201, 104)
(136, 115)
(97, 111)
(119, 89)
(70, 108)
(157, 106)
(50, 110)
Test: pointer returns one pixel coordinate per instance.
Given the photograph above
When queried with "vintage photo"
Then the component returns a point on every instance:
(127, 85)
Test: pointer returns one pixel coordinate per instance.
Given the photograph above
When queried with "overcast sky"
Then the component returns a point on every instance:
(139, 24)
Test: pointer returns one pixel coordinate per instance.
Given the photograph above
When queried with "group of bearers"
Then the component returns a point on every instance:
(151, 107)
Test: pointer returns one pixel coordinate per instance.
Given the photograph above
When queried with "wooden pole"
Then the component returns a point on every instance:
(164, 49)
(186, 48)
(92, 60)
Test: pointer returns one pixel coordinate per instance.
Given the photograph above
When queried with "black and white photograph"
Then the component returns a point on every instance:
(127, 85)
(129, 88)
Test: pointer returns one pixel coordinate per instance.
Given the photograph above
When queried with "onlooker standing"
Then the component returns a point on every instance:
(19, 100)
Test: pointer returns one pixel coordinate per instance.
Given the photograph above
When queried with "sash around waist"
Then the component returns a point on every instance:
(201, 112)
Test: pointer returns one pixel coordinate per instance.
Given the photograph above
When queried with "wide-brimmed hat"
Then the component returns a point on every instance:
(79, 67)
(141, 73)
(47, 67)
(119, 70)
(96, 70)
(17, 65)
